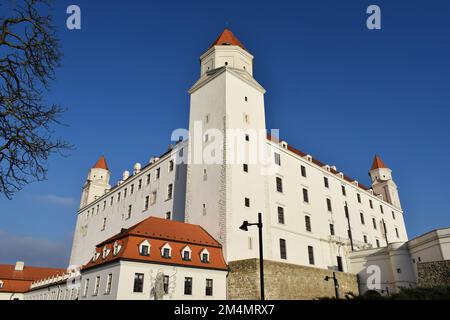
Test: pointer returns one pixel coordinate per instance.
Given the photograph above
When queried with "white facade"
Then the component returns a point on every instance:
(136, 197)
(397, 263)
(123, 275)
(219, 197)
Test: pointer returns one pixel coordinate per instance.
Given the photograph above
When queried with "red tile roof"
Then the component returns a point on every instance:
(377, 163)
(101, 164)
(317, 162)
(227, 38)
(158, 232)
(20, 281)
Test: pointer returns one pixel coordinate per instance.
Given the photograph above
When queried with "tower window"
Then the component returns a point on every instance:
(370, 204)
(381, 208)
(247, 137)
(246, 99)
(344, 192)
(329, 205)
(281, 215)
(396, 232)
(311, 254)
(283, 253)
(247, 202)
(245, 167)
(308, 223)
(358, 196)
(279, 183)
(226, 63)
(305, 195)
(331, 229)
(393, 215)
(362, 218)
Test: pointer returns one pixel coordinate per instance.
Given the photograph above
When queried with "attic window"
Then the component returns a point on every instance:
(166, 251)
(1, 284)
(204, 255)
(226, 63)
(116, 248)
(144, 248)
(186, 254)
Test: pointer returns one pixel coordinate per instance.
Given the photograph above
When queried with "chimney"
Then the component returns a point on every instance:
(19, 266)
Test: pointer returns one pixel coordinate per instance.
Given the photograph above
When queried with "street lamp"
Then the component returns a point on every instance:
(244, 227)
(336, 284)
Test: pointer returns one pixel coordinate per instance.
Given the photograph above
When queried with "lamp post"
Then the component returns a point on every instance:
(244, 227)
(336, 284)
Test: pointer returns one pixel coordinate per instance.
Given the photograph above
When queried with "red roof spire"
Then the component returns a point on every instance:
(227, 38)
(377, 163)
(101, 163)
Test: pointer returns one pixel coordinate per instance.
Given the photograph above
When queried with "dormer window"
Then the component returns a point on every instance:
(96, 255)
(204, 256)
(186, 253)
(116, 248)
(144, 248)
(105, 252)
(166, 251)
(1, 284)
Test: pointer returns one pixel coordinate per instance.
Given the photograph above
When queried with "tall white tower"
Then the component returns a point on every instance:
(382, 182)
(97, 182)
(228, 102)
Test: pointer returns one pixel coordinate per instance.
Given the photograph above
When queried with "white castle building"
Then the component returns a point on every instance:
(313, 214)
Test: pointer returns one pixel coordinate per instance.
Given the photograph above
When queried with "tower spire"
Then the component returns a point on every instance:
(377, 163)
(227, 38)
(101, 163)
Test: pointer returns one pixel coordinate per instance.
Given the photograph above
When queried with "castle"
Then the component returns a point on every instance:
(313, 214)
(175, 222)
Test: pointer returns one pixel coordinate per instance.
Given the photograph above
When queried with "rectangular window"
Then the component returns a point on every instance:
(346, 211)
(209, 287)
(108, 284)
(374, 222)
(144, 250)
(170, 165)
(138, 282)
(308, 223)
(104, 224)
(132, 189)
(362, 218)
(188, 285)
(166, 284)
(344, 192)
(311, 255)
(396, 232)
(378, 243)
(281, 215)
(247, 202)
(153, 198)
(331, 229)
(393, 215)
(245, 167)
(329, 205)
(169, 191)
(279, 183)
(381, 208)
(339, 264)
(111, 200)
(158, 173)
(118, 197)
(147, 182)
(365, 238)
(97, 284)
(140, 184)
(129, 212)
(325, 182)
(205, 258)
(283, 254)
(86, 288)
(358, 196)
(125, 193)
(370, 204)
(277, 159)
(247, 137)
(186, 255)
(104, 205)
(303, 171)
(168, 215)
(166, 253)
(305, 195)
(146, 202)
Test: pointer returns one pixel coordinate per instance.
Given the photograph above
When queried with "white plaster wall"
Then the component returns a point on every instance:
(116, 214)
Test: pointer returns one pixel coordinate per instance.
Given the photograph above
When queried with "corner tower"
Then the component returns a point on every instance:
(382, 182)
(97, 182)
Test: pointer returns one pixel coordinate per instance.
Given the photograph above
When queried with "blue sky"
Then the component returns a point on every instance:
(335, 89)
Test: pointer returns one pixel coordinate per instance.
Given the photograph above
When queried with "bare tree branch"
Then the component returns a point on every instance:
(29, 55)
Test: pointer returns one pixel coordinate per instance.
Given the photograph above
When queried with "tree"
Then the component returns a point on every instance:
(29, 55)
